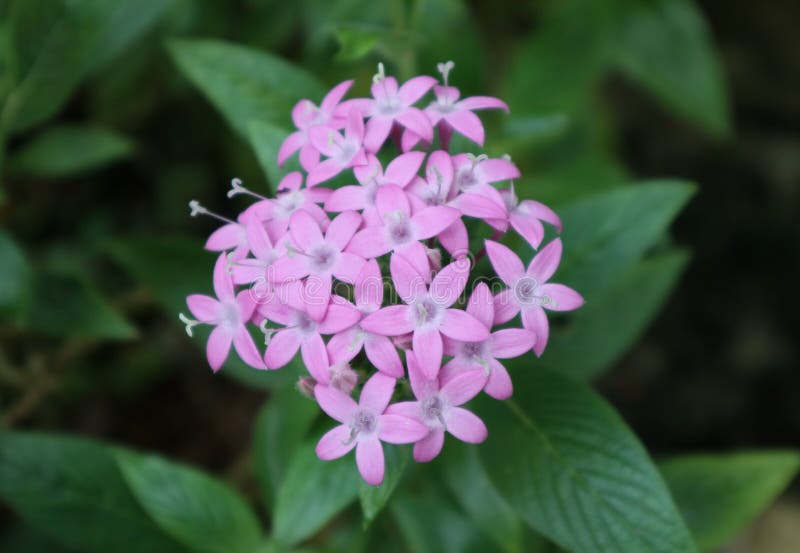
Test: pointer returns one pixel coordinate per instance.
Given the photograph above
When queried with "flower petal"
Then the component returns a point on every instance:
(289, 146)
(377, 392)
(324, 171)
(341, 314)
(460, 325)
(378, 129)
(529, 227)
(403, 168)
(481, 304)
(542, 212)
(342, 229)
(482, 102)
(393, 320)
(466, 426)
(218, 347)
(370, 243)
(389, 199)
(346, 197)
(506, 263)
(282, 348)
(464, 386)
(381, 352)
(414, 89)
(417, 122)
(317, 295)
(369, 287)
(499, 384)
(545, 263)
(535, 319)
(409, 284)
(335, 443)
(397, 429)
(468, 124)
(225, 237)
(560, 297)
(204, 308)
(223, 282)
(247, 350)
(505, 306)
(315, 357)
(427, 344)
(342, 347)
(336, 404)
(335, 96)
(369, 458)
(429, 447)
(455, 239)
(305, 230)
(449, 282)
(348, 267)
(432, 220)
(511, 342)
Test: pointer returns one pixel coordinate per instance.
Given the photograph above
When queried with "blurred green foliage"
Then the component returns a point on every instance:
(106, 134)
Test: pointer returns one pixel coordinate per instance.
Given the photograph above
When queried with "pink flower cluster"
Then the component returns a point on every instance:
(309, 264)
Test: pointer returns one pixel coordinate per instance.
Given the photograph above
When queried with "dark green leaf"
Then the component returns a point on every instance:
(266, 140)
(56, 44)
(63, 304)
(14, 275)
(570, 467)
(720, 494)
(65, 150)
(374, 498)
(71, 490)
(571, 180)
(196, 510)
(281, 427)
(606, 233)
(429, 524)
(611, 320)
(312, 493)
(666, 46)
(243, 83)
(467, 480)
(21, 538)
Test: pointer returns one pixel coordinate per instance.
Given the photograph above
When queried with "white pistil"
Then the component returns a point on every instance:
(197, 209)
(190, 323)
(268, 332)
(237, 188)
(475, 160)
(380, 75)
(444, 69)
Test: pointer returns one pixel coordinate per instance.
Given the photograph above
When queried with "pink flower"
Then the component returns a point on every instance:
(503, 344)
(473, 174)
(302, 332)
(529, 292)
(364, 425)
(400, 171)
(391, 105)
(318, 257)
(525, 217)
(438, 408)
(427, 313)
(380, 350)
(229, 314)
(400, 231)
(306, 115)
(231, 236)
(254, 269)
(291, 197)
(342, 151)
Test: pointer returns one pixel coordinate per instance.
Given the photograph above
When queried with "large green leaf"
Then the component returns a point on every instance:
(280, 428)
(374, 498)
(570, 467)
(467, 480)
(266, 140)
(430, 524)
(71, 490)
(606, 233)
(605, 328)
(243, 83)
(63, 304)
(68, 149)
(666, 46)
(14, 275)
(55, 44)
(312, 493)
(720, 494)
(198, 511)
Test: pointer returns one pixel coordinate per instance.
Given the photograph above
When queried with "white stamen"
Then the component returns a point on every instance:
(268, 332)
(444, 69)
(380, 75)
(190, 323)
(475, 160)
(229, 263)
(237, 188)
(197, 209)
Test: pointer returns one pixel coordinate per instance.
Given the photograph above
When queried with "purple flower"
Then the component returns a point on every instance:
(307, 115)
(291, 197)
(364, 425)
(427, 311)
(503, 344)
(400, 171)
(229, 314)
(342, 151)
(380, 350)
(319, 258)
(529, 292)
(438, 408)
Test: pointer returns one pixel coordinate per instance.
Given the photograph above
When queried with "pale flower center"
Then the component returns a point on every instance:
(399, 229)
(229, 314)
(364, 422)
(323, 258)
(304, 323)
(426, 312)
(528, 292)
(433, 412)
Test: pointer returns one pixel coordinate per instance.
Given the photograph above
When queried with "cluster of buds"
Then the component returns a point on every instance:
(310, 263)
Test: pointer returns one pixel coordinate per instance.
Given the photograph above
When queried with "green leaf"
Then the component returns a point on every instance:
(356, 41)
(467, 480)
(571, 468)
(429, 524)
(201, 513)
(63, 304)
(21, 538)
(71, 490)
(374, 498)
(606, 233)
(266, 140)
(312, 493)
(721, 494)
(69, 149)
(280, 428)
(243, 83)
(56, 44)
(14, 278)
(573, 179)
(601, 331)
(666, 46)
